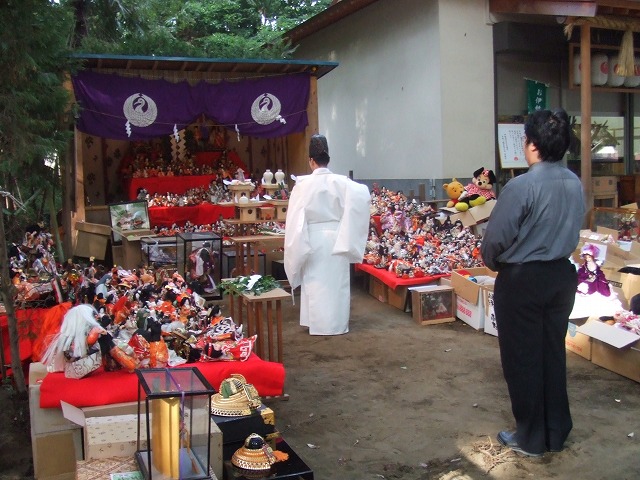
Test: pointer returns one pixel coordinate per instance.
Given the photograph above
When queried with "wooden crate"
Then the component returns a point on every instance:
(432, 304)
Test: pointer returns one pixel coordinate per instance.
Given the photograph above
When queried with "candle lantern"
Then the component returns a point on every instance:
(177, 402)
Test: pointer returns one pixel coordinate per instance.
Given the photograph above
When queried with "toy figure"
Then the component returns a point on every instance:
(481, 184)
(591, 279)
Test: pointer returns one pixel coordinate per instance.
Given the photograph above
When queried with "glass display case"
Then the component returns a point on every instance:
(199, 258)
(176, 403)
(159, 251)
(607, 146)
(623, 220)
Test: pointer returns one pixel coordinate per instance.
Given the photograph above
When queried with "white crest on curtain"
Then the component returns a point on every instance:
(266, 109)
(140, 111)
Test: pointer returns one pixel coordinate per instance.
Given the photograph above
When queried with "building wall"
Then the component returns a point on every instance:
(412, 98)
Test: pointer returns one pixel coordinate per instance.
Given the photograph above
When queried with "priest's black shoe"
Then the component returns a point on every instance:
(508, 440)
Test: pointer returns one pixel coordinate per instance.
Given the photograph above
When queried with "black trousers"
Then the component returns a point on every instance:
(532, 304)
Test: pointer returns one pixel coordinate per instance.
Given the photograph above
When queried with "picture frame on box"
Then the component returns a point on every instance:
(128, 217)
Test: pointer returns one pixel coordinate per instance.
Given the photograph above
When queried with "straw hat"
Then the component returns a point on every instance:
(235, 397)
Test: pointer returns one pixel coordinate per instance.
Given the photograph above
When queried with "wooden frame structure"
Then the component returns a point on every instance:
(192, 70)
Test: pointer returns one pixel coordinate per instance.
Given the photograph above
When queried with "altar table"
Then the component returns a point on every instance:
(203, 214)
(163, 185)
(396, 288)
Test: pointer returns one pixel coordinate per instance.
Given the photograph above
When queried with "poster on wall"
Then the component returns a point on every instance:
(511, 145)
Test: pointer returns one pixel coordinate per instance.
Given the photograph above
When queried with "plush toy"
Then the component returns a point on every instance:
(454, 189)
(481, 184)
(458, 197)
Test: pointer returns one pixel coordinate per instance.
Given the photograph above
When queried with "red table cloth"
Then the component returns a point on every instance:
(106, 388)
(391, 280)
(28, 322)
(202, 214)
(163, 185)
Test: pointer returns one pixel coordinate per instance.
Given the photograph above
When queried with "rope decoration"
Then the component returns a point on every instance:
(626, 67)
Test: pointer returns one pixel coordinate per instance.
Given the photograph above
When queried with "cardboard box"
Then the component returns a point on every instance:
(610, 255)
(102, 468)
(55, 454)
(469, 300)
(111, 431)
(474, 215)
(398, 297)
(614, 348)
(37, 371)
(577, 342)
(432, 304)
(490, 324)
(237, 429)
(46, 420)
(470, 313)
(623, 361)
(624, 285)
(378, 289)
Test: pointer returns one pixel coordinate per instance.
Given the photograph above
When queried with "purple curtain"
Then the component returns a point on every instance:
(113, 106)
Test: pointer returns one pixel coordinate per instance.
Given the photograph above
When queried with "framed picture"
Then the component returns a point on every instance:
(128, 216)
(511, 145)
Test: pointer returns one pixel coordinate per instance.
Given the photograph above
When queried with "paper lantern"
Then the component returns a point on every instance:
(577, 70)
(634, 80)
(599, 69)
(613, 79)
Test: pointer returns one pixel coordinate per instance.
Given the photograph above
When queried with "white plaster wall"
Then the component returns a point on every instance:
(381, 108)
(466, 50)
(413, 94)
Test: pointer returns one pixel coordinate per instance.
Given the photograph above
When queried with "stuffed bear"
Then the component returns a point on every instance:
(454, 189)
(459, 197)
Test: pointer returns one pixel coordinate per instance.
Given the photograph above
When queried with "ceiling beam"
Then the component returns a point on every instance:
(580, 8)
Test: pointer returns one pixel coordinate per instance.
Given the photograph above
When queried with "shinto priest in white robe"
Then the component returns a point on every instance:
(326, 230)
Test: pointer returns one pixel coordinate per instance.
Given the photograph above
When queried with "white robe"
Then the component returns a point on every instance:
(326, 230)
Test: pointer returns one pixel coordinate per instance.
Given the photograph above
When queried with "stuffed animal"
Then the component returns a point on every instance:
(454, 189)
(482, 184)
(459, 198)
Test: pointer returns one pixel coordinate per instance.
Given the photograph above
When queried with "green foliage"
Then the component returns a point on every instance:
(35, 113)
(255, 284)
(196, 28)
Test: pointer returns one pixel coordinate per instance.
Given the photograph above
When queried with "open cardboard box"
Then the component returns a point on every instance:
(614, 348)
(112, 431)
(577, 342)
(109, 430)
(469, 301)
(472, 216)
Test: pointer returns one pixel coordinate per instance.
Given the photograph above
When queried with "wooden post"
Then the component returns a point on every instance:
(585, 114)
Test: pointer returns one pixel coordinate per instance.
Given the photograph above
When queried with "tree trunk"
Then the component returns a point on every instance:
(53, 225)
(7, 290)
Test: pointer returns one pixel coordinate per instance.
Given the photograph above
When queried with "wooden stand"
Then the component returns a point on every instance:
(247, 253)
(263, 318)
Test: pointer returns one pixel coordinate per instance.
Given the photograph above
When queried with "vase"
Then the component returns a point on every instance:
(267, 177)
(279, 176)
(243, 199)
